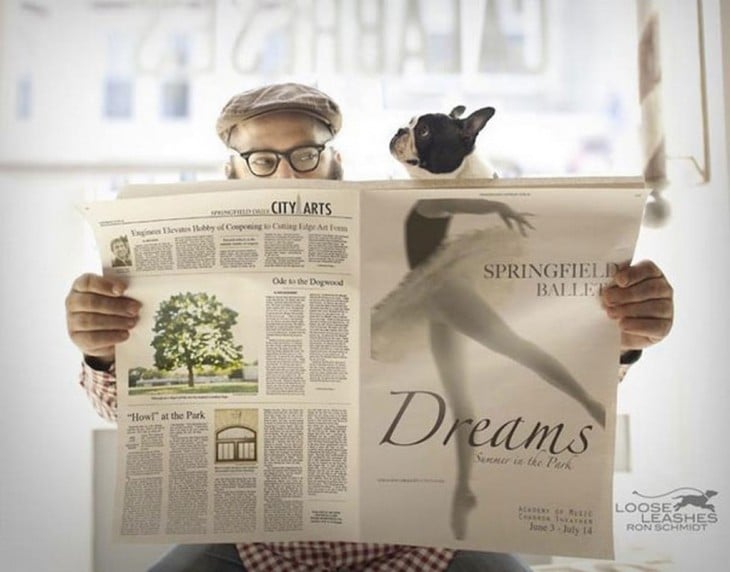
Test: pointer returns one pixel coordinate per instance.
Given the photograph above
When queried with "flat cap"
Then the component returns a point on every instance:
(279, 97)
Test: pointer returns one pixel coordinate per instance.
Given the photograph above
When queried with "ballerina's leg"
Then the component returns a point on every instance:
(448, 355)
(459, 306)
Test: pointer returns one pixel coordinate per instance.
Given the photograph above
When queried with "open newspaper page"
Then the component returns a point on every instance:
(237, 388)
(489, 368)
(417, 363)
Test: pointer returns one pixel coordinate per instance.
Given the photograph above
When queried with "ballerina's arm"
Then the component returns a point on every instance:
(440, 208)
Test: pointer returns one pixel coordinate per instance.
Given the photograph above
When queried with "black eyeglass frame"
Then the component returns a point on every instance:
(320, 147)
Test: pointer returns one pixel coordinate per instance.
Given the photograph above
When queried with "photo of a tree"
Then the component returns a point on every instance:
(194, 330)
(195, 350)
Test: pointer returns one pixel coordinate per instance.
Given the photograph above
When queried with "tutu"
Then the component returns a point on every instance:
(398, 322)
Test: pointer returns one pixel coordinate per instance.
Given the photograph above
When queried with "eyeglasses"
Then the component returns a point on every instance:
(265, 162)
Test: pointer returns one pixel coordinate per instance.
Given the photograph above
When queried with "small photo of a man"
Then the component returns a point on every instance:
(121, 251)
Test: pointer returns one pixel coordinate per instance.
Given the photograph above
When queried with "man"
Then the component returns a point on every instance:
(120, 248)
(282, 131)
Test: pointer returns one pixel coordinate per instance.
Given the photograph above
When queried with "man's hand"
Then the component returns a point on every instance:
(641, 299)
(98, 316)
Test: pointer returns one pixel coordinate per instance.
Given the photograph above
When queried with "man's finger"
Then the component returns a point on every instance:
(636, 273)
(95, 284)
(649, 289)
(99, 304)
(654, 329)
(634, 342)
(662, 308)
(90, 322)
(100, 342)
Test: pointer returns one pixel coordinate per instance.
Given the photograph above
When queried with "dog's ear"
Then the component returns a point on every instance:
(457, 112)
(476, 121)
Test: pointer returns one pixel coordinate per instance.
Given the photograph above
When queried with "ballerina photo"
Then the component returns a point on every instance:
(439, 293)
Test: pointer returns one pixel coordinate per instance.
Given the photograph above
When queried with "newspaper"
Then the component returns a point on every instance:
(383, 361)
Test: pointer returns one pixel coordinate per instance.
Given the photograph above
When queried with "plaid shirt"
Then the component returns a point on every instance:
(101, 388)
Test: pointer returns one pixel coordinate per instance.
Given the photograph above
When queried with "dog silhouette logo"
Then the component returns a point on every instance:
(699, 500)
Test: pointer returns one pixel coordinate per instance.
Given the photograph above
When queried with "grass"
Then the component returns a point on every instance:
(236, 387)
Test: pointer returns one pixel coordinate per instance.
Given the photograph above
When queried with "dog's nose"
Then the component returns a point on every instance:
(398, 134)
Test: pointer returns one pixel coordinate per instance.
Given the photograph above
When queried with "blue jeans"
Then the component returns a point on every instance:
(224, 558)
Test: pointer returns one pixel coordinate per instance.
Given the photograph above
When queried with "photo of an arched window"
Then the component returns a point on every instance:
(237, 443)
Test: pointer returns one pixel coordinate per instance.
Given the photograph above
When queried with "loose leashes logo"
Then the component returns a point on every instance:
(699, 500)
(673, 513)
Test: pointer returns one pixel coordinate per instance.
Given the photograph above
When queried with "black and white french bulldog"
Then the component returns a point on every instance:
(436, 145)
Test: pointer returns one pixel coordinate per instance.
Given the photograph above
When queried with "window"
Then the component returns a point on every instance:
(118, 83)
(24, 98)
(175, 99)
(235, 443)
(118, 98)
(175, 88)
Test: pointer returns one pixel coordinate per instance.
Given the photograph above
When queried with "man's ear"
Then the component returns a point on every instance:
(476, 121)
(235, 168)
(335, 171)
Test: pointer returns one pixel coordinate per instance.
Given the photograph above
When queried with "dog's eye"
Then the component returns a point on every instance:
(422, 131)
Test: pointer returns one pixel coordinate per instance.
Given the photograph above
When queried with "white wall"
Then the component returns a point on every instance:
(45, 437)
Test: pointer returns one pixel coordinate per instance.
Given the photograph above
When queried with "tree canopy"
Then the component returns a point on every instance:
(193, 330)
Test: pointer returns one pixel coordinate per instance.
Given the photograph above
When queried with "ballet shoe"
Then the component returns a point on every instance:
(462, 504)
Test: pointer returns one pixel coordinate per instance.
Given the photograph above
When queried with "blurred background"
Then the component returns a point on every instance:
(95, 94)
(132, 88)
